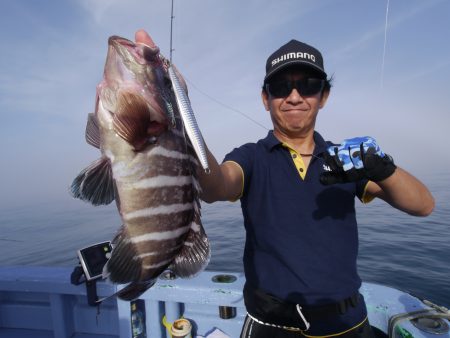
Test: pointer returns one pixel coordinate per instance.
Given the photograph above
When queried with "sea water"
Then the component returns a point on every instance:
(406, 252)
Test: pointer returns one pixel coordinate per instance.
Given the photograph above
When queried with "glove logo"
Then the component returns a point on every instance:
(326, 168)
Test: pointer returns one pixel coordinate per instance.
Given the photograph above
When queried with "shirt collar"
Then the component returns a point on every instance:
(271, 142)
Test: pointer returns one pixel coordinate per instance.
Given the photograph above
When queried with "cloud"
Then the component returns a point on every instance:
(54, 53)
(395, 19)
(98, 9)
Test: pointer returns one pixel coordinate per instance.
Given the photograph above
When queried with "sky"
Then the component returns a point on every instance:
(389, 82)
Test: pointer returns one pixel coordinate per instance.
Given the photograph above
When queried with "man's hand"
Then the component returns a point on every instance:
(355, 159)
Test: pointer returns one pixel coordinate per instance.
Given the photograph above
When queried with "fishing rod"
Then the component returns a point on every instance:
(190, 125)
(200, 91)
(171, 32)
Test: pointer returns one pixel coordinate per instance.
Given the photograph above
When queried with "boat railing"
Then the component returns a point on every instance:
(42, 299)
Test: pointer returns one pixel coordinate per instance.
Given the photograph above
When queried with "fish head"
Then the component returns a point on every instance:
(134, 99)
(127, 61)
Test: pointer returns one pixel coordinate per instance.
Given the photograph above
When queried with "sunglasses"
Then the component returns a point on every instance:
(306, 87)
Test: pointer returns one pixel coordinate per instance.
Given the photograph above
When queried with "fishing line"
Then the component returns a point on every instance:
(223, 104)
(384, 47)
(237, 111)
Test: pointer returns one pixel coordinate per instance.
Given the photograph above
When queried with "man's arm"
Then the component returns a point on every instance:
(361, 157)
(223, 183)
(404, 192)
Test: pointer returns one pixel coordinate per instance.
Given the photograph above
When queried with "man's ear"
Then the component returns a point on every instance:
(265, 99)
(324, 98)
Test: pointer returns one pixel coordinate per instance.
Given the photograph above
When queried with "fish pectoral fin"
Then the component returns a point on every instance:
(132, 119)
(95, 184)
(195, 253)
(124, 266)
(92, 134)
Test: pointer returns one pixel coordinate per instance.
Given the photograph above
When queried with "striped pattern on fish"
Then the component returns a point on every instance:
(149, 167)
(158, 204)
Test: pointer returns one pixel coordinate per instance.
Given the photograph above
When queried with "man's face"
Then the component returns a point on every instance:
(295, 114)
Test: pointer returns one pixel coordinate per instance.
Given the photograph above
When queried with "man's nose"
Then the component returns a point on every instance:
(294, 96)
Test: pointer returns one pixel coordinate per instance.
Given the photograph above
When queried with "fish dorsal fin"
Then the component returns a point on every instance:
(95, 184)
(195, 254)
(92, 131)
(132, 119)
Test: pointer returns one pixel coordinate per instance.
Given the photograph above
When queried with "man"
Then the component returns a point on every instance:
(297, 194)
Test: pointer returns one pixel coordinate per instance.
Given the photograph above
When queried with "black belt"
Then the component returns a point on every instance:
(330, 309)
(270, 309)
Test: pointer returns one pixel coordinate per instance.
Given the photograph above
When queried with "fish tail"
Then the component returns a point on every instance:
(124, 265)
(134, 290)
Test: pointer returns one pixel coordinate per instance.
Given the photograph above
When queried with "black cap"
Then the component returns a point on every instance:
(294, 53)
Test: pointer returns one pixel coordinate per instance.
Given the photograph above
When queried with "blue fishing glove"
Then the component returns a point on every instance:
(355, 159)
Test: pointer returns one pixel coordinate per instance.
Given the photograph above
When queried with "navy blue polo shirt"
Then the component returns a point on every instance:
(301, 236)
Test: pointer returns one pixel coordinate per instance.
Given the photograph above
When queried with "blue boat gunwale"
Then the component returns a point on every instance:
(62, 310)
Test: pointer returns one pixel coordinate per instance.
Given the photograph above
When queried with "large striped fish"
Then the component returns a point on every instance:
(148, 166)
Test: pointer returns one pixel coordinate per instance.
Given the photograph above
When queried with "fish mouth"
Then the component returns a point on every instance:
(141, 53)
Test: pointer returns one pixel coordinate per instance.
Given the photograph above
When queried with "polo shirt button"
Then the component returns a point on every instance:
(301, 170)
(294, 155)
